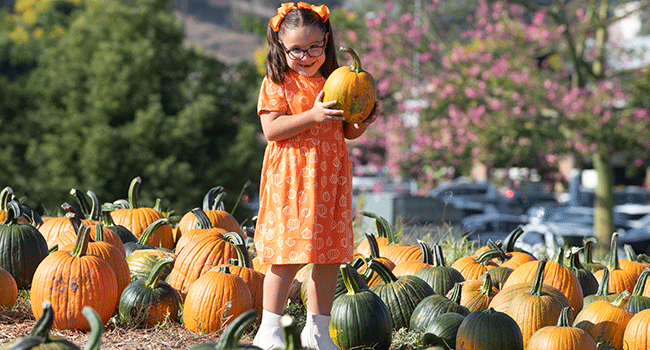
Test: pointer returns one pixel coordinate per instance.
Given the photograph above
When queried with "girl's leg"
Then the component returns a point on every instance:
(321, 288)
(277, 282)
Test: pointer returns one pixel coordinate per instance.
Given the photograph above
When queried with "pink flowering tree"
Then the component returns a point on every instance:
(521, 86)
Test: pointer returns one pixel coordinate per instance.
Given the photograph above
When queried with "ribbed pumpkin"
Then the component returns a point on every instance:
(202, 224)
(440, 276)
(510, 257)
(489, 330)
(499, 276)
(142, 261)
(631, 261)
(637, 332)
(555, 275)
(605, 321)
(401, 295)
(359, 318)
(435, 305)
(472, 267)
(587, 280)
(149, 301)
(137, 219)
(204, 252)
(72, 280)
(8, 289)
(535, 309)
(352, 88)
(231, 335)
(253, 279)
(619, 279)
(214, 300)
(106, 251)
(562, 336)
(410, 267)
(67, 237)
(53, 227)
(40, 337)
(22, 247)
(214, 209)
(477, 294)
(501, 301)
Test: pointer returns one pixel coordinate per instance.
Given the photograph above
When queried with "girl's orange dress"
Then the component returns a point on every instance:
(305, 211)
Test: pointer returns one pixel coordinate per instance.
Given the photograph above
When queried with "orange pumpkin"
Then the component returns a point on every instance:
(619, 279)
(213, 208)
(631, 261)
(202, 224)
(605, 321)
(637, 332)
(410, 267)
(352, 88)
(472, 267)
(137, 219)
(563, 336)
(476, 294)
(9, 289)
(72, 280)
(253, 279)
(214, 300)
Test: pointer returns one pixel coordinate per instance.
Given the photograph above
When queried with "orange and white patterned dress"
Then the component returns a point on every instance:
(305, 211)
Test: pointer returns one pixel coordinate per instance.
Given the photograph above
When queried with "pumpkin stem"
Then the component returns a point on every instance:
(13, 212)
(486, 288)
(565, 316)
(603, 287)
(218, 202)
(96, 326)
(356, 62)
(72, 208)
(232, 333)
(427, 255)
(588, 244)
(438, 256)
(108, 219)
(154, 276)
(485, 257)
(202, 219)
(6, 195)
(99, 232)
(95, 208)
(150, 230)
(613, 263)
(44, 323)
(456, 293)
(133, 192)
(83, 202)
(383, 271)
(640, 283)
(350, 283)
(208, 199)
(223, 269)
(384, 228)
(574, 258)
(509, 242)
(82, 240)
(621, 299)
(536, 287)
(630, 254)
(374, 246)
(559, 256)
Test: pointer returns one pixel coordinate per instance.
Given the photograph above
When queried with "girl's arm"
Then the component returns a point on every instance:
(352, 131)
(279, 126)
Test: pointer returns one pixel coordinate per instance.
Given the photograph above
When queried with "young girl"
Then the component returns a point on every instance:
(306, 210)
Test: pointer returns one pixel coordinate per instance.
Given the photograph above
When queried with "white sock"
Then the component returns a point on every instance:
(316, 334)
(270, 334)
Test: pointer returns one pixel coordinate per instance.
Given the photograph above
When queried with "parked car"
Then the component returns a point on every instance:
(491, 225)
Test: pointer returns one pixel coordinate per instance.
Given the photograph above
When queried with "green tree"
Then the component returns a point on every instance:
(117, 95)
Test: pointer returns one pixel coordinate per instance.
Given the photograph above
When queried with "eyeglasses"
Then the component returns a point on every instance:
(298, 54)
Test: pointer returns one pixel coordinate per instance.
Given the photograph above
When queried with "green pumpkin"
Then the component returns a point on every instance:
(489, 330)
(435, 305)
(22, 247)
(150, 301)
(499, 275)
(442, 330)
(40, 338)
(588, 282)
(229, 339)
(401, 295)
(142, 261)
(359, 318)
(603, 291)
(440, 276)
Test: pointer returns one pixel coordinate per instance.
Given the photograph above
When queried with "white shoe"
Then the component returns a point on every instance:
(270, 335)
(316, 334)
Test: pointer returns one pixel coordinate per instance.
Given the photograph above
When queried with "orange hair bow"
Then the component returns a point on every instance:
(286, 7)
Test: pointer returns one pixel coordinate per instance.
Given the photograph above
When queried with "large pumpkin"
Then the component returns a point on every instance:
(605, 321)
(72, 280)
(22, 247)
(637, 331)
(489, 330)
(352, 88)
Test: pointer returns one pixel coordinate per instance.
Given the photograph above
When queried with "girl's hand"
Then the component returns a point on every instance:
(373, 115)
(322, 111)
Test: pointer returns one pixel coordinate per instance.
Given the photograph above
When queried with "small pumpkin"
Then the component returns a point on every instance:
(8, 291)
(477, 294)
(410, 267)
(440, 276)
(359, 318)
(632, 262)
(253, 279)
(478, 330)
(22, 247)
(214, 300)
(435, 305)
(562, 336)
(150, 301)
(472, 267)
(352, 88)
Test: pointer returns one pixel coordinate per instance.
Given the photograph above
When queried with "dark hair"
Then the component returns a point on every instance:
(276, 63)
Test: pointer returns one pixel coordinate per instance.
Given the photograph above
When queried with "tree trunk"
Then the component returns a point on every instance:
(603, 204)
